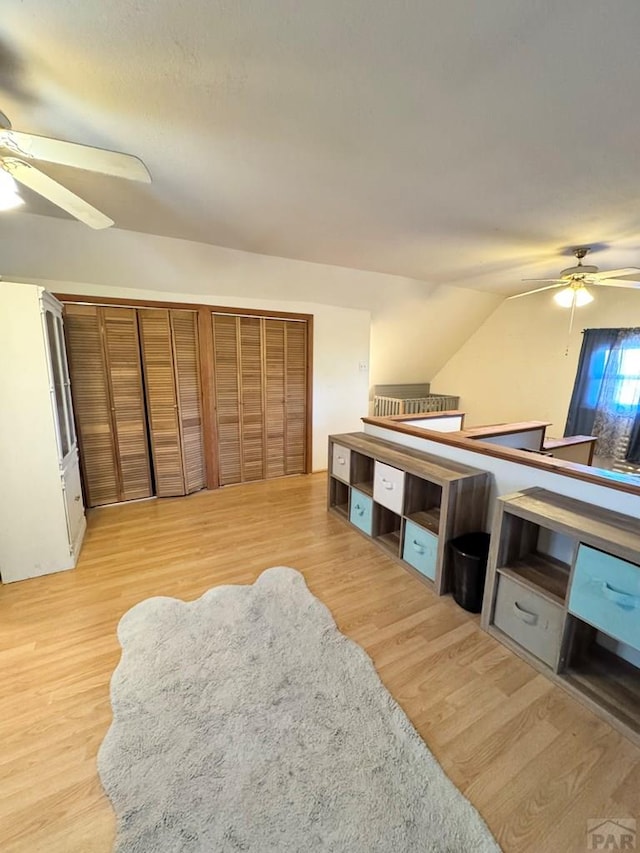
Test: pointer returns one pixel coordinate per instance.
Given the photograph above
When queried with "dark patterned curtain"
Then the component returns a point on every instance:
(596, 345)
(606, 394)
(633, 451)
(617, 405)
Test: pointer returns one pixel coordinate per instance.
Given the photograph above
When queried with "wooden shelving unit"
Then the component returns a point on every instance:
(362, 473)
(581, 608)
(544, 574)
(339, 497)
(390, 542)
(408, 491)
(386, 529)
(429, 519)
(608, 681)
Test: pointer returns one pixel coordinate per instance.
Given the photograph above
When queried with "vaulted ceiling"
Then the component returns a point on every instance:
(456, 142)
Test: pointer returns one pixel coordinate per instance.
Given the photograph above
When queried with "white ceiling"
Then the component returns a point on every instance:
(461, 142)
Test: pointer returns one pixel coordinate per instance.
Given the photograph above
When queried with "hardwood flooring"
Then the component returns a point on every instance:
(535, 762)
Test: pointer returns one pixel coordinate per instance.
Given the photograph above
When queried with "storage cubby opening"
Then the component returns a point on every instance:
(362, 472)
(557, 546)
(595, 667)
(386, 528)
(538, 556)
(339, 500)
(422, 502)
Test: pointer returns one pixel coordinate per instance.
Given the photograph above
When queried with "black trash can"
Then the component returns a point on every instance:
(470, 553)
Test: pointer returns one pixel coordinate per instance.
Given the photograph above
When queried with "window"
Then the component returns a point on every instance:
(606, 394)
(625, 379)
(628, 379)
(597, 367)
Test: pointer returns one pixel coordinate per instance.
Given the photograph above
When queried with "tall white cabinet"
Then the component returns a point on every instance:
(42, 521)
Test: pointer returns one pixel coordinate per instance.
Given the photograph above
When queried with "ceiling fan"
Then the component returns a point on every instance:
(19, 150)
(574, 293)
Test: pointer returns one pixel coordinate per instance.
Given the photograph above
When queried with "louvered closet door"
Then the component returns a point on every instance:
(169, 343)
(162, 404)
(260, 378)
(275, 394)
(252, 438)
(122, 348)
(106, 383)
(227, 376)
(296, 396)
(91, 404)
(184, 325)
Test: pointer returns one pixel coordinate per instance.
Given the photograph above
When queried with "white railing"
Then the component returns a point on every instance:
(386, 406)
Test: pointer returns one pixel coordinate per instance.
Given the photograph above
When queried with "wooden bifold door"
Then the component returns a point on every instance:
(260, 396)
(161, 394)
(169, 345)
(106, 382)
(136, 387)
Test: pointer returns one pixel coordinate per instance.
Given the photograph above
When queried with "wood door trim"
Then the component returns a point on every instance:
(308, 450)
(263, 393)
(285, 375)
(114, 302)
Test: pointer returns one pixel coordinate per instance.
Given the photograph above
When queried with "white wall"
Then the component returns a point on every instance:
(369, 328)
(516, 365)
(34, 539)
(416, 329)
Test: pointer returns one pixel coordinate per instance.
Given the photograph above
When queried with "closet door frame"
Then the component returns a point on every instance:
(207, 377)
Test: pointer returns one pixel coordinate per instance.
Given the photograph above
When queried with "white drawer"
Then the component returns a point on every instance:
(388, 486)
(341, 462)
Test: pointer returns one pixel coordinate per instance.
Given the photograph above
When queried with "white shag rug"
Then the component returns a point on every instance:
(245, 721)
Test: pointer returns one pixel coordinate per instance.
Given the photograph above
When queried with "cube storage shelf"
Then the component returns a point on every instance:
(410, 503)
(563, 591)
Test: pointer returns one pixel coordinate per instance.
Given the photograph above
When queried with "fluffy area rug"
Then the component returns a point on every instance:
(245, 721)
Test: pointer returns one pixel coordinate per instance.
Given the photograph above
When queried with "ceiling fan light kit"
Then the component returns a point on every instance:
(582, 296)
(19, 150)
(573, 294)
(9, 197)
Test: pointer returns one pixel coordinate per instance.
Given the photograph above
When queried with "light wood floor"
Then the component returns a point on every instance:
(533, 761)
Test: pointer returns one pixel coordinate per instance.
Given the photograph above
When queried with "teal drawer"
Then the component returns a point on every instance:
(420, 549)
(605, 592)
(361, 511)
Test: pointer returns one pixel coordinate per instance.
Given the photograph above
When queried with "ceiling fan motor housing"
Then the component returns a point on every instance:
(581, 269)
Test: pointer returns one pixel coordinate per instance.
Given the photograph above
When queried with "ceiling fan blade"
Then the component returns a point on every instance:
(30, 146)
(556, 280)
(45, 186)
(614, 283)
(538, 289)
(619, 273)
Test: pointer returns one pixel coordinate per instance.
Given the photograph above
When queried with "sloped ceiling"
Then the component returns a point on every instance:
(461, 143)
